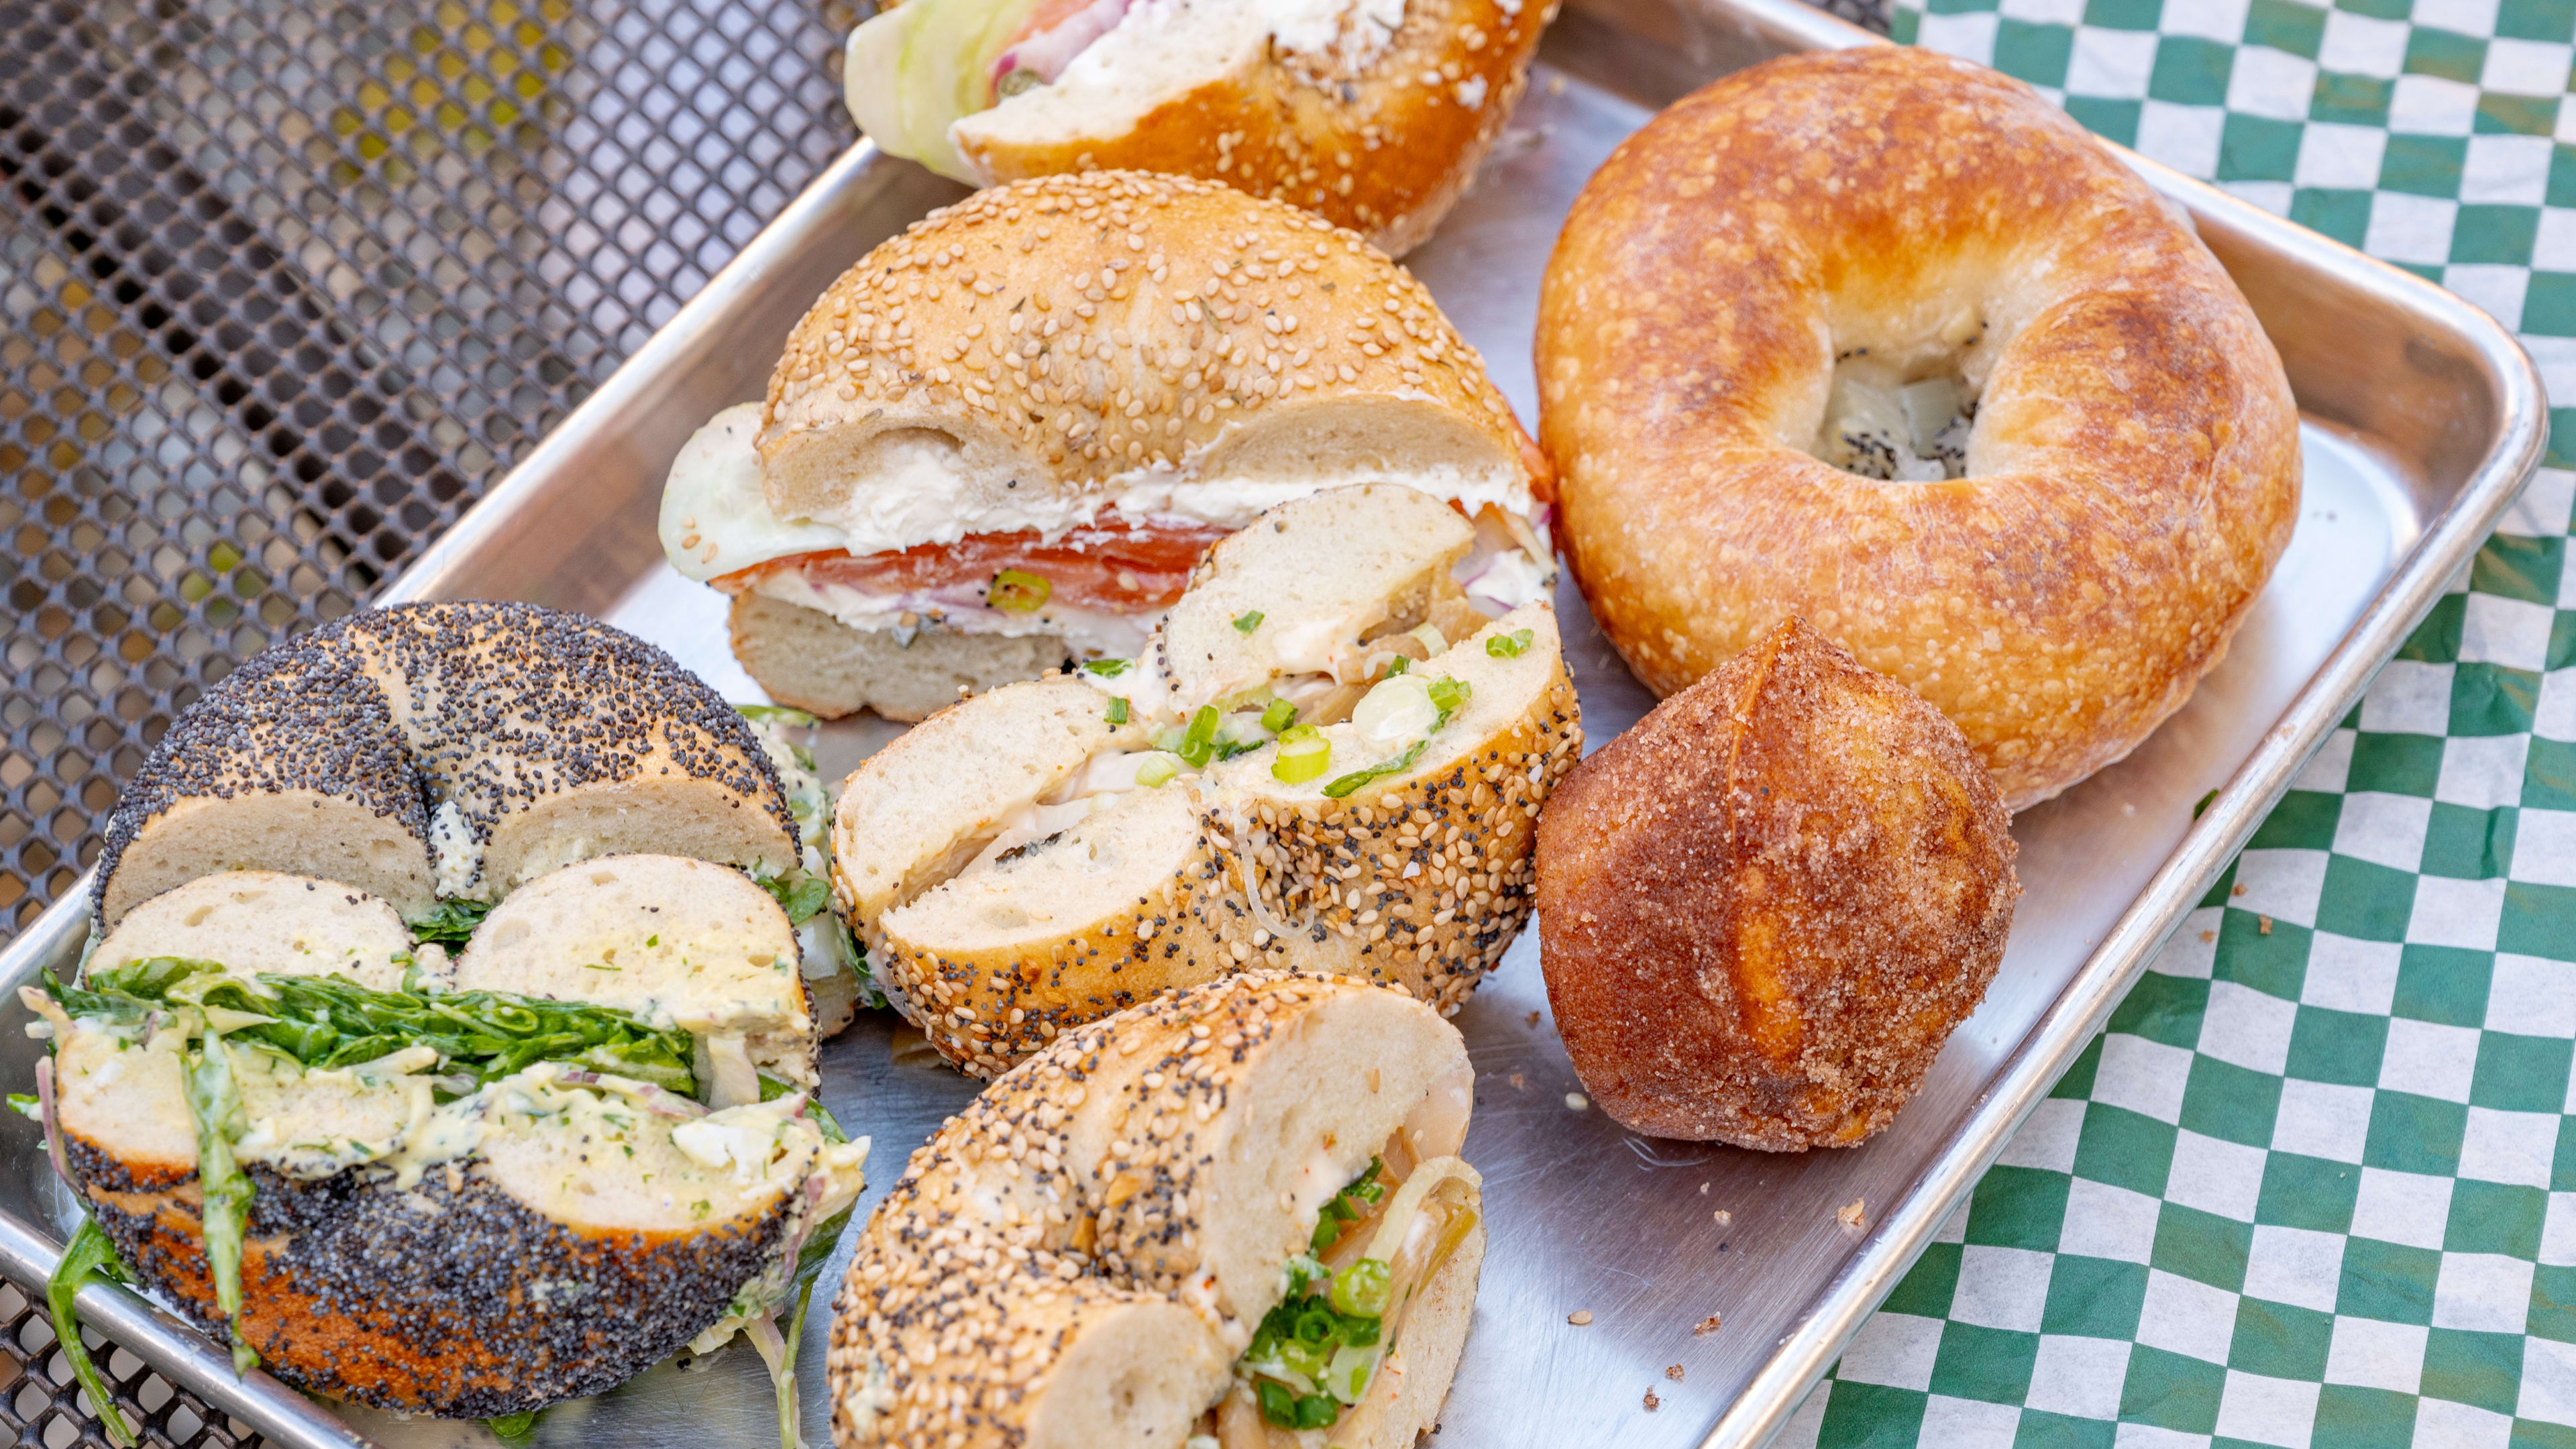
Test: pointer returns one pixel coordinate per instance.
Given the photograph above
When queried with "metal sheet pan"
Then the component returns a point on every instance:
(2423, 421)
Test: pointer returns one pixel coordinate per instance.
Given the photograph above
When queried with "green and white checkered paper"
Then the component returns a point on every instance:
(2316, 1185)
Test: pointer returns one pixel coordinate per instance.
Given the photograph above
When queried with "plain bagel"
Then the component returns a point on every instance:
(1096, 1251)
(1766, 275)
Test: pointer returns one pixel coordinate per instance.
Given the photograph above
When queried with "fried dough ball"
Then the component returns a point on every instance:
(1762, 910)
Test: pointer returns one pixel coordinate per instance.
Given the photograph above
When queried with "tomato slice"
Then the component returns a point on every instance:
(1109, 564)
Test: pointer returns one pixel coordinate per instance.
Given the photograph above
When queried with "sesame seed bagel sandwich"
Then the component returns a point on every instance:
(1302, 771)
(1371, 113)
(1235, 1215)
(466, 1185)
(434, 755)
(1000, 442)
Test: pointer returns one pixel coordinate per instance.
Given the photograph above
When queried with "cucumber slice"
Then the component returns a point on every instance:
(871, 74)
(947, 65)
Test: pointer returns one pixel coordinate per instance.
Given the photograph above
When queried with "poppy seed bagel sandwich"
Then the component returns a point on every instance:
(1373, 113)
(429, 753)
(1327, 783)
(1235, 1212)
(1001, 442)
(463, 1188)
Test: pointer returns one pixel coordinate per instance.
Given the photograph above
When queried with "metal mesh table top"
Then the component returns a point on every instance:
(284, 286)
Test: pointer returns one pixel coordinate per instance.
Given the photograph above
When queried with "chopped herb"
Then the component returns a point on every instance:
(518, 1428)
(28, 1106)
(1018, 591)
(1509, 646)
(1397, 666)
(88, 1254)
(1361, 1289)
(1157, 771)
(775, 714)
(451, 923)
(1345, 785)
(1106, 668)
(800, 893)
(2203, 804)
(1279, 716)
(1117, 712)
(1346, 1207)
(701, 1208)
(1246, 623)
(594, 966)
(1309, 1341)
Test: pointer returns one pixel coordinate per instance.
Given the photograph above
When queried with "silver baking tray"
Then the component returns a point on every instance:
(2424, 420)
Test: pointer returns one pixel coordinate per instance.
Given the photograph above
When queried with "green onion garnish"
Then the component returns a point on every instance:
(1448, 695)
(1246, 623)
(1198, 743)
(1401, 664)
(1361, 1289)
(1304, 753)
(1117, 712)
(1157, 771)
(1344, 786)
(1279, 716)
(1106, 668)
(1509, 646)
(1017, 591)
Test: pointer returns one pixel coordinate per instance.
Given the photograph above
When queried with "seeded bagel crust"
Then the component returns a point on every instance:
(2132, 470)
(553, 737)
(1077, 1257)
(1067, 330)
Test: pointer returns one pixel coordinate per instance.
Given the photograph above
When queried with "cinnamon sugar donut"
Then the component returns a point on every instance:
(1758, 331)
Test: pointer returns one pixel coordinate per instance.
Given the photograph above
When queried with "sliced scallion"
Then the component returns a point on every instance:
(1247, 622)
(1509, 646)
(1106, 668)
(1304, 753)
(1117, 714)
(1157, 771)
(1279, 716)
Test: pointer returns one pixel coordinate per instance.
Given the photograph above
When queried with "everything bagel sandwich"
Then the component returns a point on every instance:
(1000, 443)
(1234, 1216)
(1302, 771)
(1371, 113)
(462, 1187)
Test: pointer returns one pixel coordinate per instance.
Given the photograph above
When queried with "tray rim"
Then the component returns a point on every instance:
(29, 1250)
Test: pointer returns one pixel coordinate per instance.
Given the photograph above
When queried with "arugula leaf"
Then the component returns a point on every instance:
(518, 1428)
(800, 893)
(225, 1191)
(89, 1252)
(327, 1022)
(452, 923)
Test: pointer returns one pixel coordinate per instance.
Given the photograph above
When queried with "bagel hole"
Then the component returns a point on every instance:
(1904, 415)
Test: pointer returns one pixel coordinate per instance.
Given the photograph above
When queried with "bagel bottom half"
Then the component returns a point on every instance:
(1103, 1247)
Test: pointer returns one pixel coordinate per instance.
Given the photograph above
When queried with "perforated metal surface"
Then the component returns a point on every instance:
(284, 284)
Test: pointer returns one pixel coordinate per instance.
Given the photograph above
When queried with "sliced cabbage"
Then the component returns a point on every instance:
(913, 72)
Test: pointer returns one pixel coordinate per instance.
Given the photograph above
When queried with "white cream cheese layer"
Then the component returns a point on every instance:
(715, 520)
(1087, 633)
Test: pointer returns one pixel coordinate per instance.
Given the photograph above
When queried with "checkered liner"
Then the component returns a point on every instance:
(2316, 1184)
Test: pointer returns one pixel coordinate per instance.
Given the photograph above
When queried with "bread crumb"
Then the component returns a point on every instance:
(1673, 1372)
(1851, 1215)
(2208, 936)
(1533, 1018)
(2240, 889)
(1723, 1217)
(1577, 1101)
(2262, 925)
(1519, 1082)
(1706, 1327)
(1703, 1189)
(1652, 1403)
(1580, 1318)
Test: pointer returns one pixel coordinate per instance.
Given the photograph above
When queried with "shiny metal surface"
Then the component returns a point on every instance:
(2424, 417)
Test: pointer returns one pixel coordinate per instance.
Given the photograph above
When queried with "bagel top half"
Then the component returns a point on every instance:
(1882, 339)
(445, 751)
(1099, 1248)
(1371, 113)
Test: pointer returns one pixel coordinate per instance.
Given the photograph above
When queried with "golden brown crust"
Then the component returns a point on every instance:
(1101, 323)
(1386, 154)
(2134, 467)
(1763, 909)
